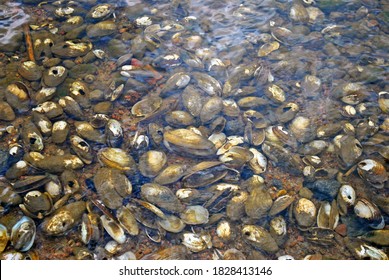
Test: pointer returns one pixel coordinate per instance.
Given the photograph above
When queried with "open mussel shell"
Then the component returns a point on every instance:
(91, 228)
(328, 215)
(369, 212)
(113, 229)
(30, 71)
(116, 158)
(278, 229)
(196, 242)
(23, 234)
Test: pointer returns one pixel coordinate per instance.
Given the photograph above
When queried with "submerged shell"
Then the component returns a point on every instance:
(259, 238)
(162, 197)
(305, 213)
(23, 234)
(195, 215)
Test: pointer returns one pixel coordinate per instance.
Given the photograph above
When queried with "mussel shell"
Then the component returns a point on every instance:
(369, 212)
(162, 197)
(23, 234)
(172, 224)
(195, 215)
(4, 237)
(259, 238)
(71, 48)
(151, 163)
(305, 213)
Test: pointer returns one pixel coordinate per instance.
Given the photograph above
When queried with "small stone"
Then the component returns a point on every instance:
(306, 193)
(104, 107)
(341, 229)
(324, 189)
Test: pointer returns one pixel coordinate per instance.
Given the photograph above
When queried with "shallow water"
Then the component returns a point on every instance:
(302, 87)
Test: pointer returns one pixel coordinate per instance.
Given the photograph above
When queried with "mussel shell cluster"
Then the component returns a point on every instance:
(126, 127)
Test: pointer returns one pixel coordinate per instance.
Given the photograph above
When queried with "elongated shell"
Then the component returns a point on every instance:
(373, 172)
(113, 229)
(162, 197)
(23, 234)
(259, 238)
(172, 224)
(151, 163)
(368, 211)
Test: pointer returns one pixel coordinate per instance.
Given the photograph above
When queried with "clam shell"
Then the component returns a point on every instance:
(151, 163)
(113, 229)
(30, 71)
(116, 158)
(195, 215)
(259, 238)
(346, 198)
(280, 204)
(23, 234)
(161, 196)
(172, 224)
(368, 211)
(127, 220)
(305, 213)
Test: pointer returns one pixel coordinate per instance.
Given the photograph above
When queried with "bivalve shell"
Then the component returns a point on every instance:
(195, 242)
(305, 213)
(127, 220)
(171, 174)
(72, 48)
(55, 76)
(373, 172)
(6, 112)
(161, 196)
(259, 238)
(346, 198)
(369, 212)
(30, 71)
(278, 230)
(151, 163)
(258, 202)
(23, 234)
(172, 224)
(113, 229)
(195, 215)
